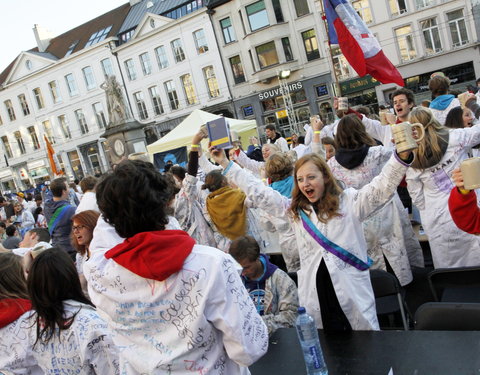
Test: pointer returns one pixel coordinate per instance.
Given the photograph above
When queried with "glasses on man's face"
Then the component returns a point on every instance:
(77, 227)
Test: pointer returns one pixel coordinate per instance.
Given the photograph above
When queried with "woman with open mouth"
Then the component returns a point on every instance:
(333, 280)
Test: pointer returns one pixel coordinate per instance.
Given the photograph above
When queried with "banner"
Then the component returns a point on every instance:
(52, 158)
(175, 156)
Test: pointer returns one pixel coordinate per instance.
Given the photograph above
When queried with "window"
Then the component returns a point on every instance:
(267, 54)
(33, 137)
(54, 92)
(71, 84)
(301, 7)
(237, 69)
(71, 48)
(23, 103)
(171, 94)
(141, 107)
(107, 67)
(99, 115)
(130, 67)
(310, 43)
(98, 36)
(227, 30)
(431, 36)
(82, 123)
(89, 77)
(145, 63)
(6, 146)
(342, 67)
(362, 7)
(211, 81)
(156, 101)
(38, 98)
(21, 145)
(458, 29)
(200, 41)
(178, 50)
(397, 7)
(424, 3)
(287, 49)
(62, 120)
(162, 59)
(277, 9)
(188, 88)
(405, 43)
(10, 110)
(257, 15)
(47, 127)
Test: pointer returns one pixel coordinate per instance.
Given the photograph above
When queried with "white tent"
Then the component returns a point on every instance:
(182, 135)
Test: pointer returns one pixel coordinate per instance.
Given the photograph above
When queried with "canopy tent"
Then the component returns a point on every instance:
(182, 135)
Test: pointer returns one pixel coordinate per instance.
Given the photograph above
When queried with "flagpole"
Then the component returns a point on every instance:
(336, 83)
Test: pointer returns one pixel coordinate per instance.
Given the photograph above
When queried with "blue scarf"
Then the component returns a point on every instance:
(441, 102)
(284, 186)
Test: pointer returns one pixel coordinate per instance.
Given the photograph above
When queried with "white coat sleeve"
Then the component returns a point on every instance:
(373, 196)
(205, 164)
(415, 189)
(317, 148)
(261, 196)
(27, 219)
(252, 165)
(375, 129)
(283, 144)
(231, 310)
(470, 136)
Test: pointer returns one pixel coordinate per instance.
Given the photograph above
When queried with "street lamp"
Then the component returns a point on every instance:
(283, 75)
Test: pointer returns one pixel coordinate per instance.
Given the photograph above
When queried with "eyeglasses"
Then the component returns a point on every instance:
(78, 227)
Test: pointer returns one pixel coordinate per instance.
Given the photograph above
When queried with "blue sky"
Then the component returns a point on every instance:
(58, 16)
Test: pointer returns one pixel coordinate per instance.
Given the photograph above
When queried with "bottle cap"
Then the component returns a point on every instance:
(301, 310)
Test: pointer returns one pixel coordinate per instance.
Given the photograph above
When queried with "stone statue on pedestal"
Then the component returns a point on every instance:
(117, 110)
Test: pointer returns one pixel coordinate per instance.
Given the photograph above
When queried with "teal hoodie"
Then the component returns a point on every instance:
(441, 102)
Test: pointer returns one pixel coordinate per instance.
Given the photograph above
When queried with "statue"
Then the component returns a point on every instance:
(117, 111)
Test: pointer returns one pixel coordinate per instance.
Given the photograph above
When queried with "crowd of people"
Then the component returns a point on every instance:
(144, 272)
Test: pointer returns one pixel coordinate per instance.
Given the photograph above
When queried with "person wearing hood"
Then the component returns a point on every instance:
(174, 306)
(438, 154)
(442, 101)
(392, 244)
(15, 311)
(59, 212)
(273, 292)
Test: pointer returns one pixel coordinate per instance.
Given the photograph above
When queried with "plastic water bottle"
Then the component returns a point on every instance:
(308, 336)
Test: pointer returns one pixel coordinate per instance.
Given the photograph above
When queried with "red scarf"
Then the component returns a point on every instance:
(153, 255)
(12, 308)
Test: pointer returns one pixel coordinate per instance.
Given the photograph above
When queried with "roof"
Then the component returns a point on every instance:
(138, 11)
(215, 3)
(59, 46)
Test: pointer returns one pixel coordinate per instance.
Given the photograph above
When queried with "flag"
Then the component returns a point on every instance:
(358, 45)
(52, 158)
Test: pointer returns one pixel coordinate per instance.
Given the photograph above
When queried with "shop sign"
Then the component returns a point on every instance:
(6, 173)
(36, 164)
(358, 84)
(281, 114)
(278, 91)
(39, 172)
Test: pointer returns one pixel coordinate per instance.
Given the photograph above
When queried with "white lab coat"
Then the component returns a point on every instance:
(430, 189)
(201, 319)
(353, 287)
(389, 232)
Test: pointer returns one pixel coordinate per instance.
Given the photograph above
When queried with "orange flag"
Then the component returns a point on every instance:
(54, 164)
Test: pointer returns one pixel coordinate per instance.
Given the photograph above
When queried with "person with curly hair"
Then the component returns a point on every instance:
(174, 306)
(333, 280)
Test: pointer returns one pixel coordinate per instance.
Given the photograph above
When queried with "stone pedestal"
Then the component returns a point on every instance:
(121, 139)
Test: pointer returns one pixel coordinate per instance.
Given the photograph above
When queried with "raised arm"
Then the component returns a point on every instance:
(252, 165)
(261, 196)
(375, 129)
(316, 145)
(370, 198)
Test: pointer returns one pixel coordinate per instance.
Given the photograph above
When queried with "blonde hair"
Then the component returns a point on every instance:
(274, 149)
(278, 166)
(433, 145)
(328, 205)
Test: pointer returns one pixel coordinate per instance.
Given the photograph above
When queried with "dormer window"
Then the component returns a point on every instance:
(98, 36)
(71, 48)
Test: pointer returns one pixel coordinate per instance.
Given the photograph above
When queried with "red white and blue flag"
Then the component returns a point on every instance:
(358, 45)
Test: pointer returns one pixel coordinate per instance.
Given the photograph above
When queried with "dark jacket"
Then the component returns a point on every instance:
(61, 233)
